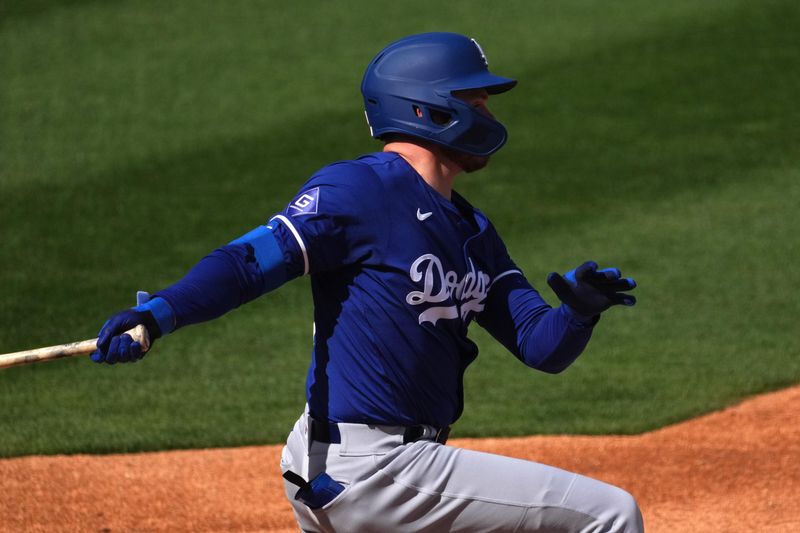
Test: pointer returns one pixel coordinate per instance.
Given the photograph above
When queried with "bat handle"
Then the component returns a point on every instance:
(139, 334)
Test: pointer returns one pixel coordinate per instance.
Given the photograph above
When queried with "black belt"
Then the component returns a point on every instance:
(329, 432)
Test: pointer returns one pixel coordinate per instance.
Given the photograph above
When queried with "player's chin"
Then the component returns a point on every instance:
(468, 162)
(475, 162)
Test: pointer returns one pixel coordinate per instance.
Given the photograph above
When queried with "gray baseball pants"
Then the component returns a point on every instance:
(424, 486)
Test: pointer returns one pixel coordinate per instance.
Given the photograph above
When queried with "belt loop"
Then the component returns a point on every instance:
(319, 432)
(327, 432)
(413, 434)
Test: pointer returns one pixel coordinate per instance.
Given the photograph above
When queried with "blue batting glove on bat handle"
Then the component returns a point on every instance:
(587, 291)
(114, 345)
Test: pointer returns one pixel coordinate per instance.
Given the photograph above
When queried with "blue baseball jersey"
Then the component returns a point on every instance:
(398, 273)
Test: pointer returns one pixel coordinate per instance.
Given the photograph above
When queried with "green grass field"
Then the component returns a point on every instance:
(137, 136)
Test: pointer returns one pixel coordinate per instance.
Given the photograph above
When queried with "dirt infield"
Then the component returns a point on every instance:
(735, 470)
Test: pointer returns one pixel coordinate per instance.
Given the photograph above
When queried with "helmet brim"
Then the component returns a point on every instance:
(482, 80)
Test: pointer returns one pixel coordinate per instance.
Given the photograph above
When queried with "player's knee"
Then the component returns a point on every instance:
(627, 515)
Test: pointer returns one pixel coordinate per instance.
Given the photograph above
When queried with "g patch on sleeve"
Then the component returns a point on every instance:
(306, 203)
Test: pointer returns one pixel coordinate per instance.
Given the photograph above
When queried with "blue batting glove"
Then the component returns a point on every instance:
(116, 346)
(587, 291)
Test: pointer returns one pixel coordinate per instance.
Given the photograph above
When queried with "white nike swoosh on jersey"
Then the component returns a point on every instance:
(422, 216)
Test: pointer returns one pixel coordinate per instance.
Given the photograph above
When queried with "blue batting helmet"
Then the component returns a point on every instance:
(408, 89)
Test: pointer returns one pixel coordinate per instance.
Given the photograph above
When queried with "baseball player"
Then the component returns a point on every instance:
(400, 266)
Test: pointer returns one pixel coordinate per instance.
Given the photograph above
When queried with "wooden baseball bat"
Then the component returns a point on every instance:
(138, 334)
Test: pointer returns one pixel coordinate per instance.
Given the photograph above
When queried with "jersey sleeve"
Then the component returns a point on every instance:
(228, 277)
(515, 314)
(337, 219)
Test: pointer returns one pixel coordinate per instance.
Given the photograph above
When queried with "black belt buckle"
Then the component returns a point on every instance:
(414, 433)
(442, 434)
